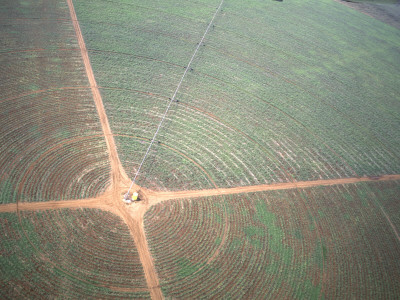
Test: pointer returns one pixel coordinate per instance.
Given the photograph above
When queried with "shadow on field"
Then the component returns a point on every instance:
(387, 11)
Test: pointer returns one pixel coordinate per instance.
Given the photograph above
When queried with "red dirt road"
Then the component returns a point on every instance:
(116, 167)
(156, 197)
(118, 175)
(133, 214)
(137, 210)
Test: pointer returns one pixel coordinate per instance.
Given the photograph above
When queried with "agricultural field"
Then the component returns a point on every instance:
(287, 97)
(52, 149)
(275, 175)
(385, 11)
(68, 253)
(52, 146)
(316, 243)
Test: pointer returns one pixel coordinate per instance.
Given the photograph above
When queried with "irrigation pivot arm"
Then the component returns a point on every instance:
(173, 97)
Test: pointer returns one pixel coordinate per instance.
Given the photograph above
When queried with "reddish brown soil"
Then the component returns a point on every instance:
(111, 201)
(156, 197)
(134, 220)
(133, 214)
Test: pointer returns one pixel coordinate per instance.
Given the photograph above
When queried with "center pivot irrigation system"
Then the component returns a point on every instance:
(127, 198)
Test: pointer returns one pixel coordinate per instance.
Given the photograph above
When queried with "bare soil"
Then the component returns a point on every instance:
(110, 201)
(133, 214)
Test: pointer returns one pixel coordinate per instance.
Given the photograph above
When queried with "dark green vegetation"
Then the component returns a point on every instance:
(385, 11)
(51, 146)
(279, 91)
(328, 242)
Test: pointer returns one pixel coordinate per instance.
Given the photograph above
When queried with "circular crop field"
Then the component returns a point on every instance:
(262, 138)
(318, 242)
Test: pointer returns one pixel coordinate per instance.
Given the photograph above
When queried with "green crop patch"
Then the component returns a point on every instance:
(51, 144)
(258, 245)
(305, 102)
(67, 253)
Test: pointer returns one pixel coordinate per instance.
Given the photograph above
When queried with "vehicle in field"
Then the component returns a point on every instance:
(128, 199)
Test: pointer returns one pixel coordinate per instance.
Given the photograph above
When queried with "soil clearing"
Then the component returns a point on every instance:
(388, 13)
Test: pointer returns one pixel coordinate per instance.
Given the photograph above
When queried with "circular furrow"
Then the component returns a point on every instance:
(305, 109)
(53, 136)
(218, 143)
(52, 263)
(167, 161)
(64, 174)
(360, 232)
(68, 235)
(198, 281)
(194, 142)
(249, 113)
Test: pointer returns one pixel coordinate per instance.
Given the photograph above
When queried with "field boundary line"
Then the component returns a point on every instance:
(174, 95)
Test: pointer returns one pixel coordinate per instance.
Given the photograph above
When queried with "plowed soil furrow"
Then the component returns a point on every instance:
(134, 217)
(42, 91)
(176, 151)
